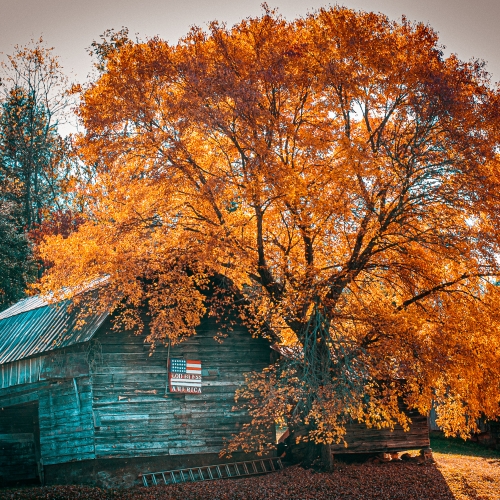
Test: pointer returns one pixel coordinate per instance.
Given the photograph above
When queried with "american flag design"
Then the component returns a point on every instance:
(184, 376)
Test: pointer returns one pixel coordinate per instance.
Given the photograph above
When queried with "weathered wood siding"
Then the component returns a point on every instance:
(135, 415)
(360, 439)
(64, 363)
(60, 385)
(109, 398)
(21, 394)
(24, 371)
(19, 449)
(66, 426)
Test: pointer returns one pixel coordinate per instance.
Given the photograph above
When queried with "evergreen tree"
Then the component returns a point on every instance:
(33, 160)
(18, 268)
(31, 153)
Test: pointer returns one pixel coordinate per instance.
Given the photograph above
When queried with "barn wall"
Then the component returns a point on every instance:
(61, 387)
(24, 371)
(66, 425)
(360, 439)
(134, 415)
(21, 394)
(19, 443)
(64, 363)
(104, 407)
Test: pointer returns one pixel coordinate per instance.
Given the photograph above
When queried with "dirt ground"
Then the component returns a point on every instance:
(460, 472)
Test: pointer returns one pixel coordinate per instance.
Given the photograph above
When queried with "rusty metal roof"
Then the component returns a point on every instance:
(32, 326)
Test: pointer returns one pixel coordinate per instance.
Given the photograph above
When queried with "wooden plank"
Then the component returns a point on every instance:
(82, 454)
(66, 424)
(68, 363)
(194, 450)
(136, 414)
(17, 457)
(371, 440)
(24, 393)
(18, 399)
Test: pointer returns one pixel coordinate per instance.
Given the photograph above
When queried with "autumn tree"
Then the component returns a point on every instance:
(32, 153)
(335, 178)
(34, 163)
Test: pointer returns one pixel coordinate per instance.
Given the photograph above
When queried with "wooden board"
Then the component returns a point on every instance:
(19, 443)
(136, 412)
(17, 457)
(66, 424)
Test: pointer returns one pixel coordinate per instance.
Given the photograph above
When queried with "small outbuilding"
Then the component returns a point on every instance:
(92, 405)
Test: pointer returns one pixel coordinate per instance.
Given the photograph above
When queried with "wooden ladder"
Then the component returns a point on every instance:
(211, 472)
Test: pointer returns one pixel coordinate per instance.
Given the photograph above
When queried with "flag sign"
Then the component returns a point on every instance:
(184, 376)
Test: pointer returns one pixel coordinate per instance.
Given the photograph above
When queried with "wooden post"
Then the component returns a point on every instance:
(426, 454)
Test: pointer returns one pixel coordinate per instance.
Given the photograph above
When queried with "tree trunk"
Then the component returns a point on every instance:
(308, 454)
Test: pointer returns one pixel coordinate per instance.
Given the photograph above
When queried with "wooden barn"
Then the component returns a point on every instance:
(93, 405)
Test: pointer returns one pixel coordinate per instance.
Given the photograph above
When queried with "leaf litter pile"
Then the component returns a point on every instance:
(354, 481)
(462, 471)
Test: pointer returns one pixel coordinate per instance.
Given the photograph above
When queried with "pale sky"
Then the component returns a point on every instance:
(468, 28)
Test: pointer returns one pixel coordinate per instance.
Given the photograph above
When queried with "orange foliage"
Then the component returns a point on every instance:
(335, 177)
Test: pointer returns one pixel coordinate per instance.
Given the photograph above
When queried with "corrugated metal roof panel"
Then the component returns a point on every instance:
(38, 301)
(31, 327)
(24, 305)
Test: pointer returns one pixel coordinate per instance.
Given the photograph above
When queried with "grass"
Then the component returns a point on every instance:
(470, 470)
(456, 446)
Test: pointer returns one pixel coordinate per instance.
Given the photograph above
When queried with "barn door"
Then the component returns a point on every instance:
(19, 444)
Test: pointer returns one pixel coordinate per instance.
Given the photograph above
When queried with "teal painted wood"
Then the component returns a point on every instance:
(64, 417)
(21, 394)
(137, 417)
(107, 397)
(63, 363)
(66, 425)
(23, 371)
